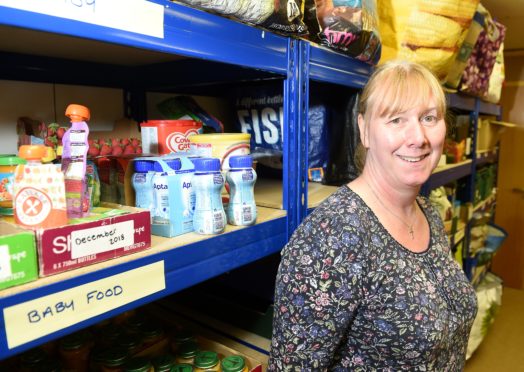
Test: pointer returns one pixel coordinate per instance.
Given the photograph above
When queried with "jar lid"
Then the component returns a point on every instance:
(233, 363)
(241, 161)
(138, 364)
(134, 322)
(110, 332)
(206, 359)
(32, 152)
(114, 356)
(206, 164)
(130, 341)
(188, 349)
(164, 363)
(182, 368)
(151, 329)
(33, 356)
(9, 160)
(77, 112)
(74, 341)
(183, 335)
(143, 166)
(6, 211)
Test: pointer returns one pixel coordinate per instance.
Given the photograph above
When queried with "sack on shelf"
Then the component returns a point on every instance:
(284, 16)
(424, 31)
(476, 75)
(348, 26)
(496, 78)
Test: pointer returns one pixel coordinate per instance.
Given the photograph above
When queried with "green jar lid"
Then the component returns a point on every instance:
(183, 336)
(164, 363)
(206, 359)
(134, 323)
(74, 341)
(114, 356)
(33, 357)
(233, 363)
(11, 160)
(151, 330)
(109, 333)
(188, 349)
(130, 341)
(6, 211)
(182, 368)
(137, 365)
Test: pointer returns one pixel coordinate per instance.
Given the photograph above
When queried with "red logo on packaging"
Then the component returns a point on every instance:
(32, 206)
(179, 141)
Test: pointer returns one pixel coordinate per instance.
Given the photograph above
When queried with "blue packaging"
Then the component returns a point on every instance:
(241, 177)
(143, 185)
(209, 216)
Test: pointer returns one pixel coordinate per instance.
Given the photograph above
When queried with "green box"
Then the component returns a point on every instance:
(18, 261)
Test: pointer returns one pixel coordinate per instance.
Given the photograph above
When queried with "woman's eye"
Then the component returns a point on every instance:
(429, 119)
(395, 121)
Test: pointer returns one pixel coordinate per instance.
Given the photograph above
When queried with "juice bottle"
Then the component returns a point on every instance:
(241, 177)
(39, 191)
(74, 160)
(209, 216)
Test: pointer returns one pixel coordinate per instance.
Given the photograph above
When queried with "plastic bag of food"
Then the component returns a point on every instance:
(350, 26)
(424, 31)
(284, 16)
(476, 75)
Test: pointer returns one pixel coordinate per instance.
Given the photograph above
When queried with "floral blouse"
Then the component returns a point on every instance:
(349, 297)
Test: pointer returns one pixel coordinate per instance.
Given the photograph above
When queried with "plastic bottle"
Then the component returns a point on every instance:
(74, 159)
(209, 216)
(241, 177)
(161, 191)
(143, 184)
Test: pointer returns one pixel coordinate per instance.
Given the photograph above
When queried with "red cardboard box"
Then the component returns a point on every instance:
(73, 246)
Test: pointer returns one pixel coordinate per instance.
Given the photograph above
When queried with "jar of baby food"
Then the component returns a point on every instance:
(207, 361)
(234, 363)
(8, 165)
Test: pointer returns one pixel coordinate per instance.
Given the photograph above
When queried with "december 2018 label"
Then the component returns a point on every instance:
(36, 318)
(102, 238)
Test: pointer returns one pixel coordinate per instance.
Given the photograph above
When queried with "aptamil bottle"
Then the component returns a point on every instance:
(209, 216)
(161, 191)
(241, 177)
(143, 184)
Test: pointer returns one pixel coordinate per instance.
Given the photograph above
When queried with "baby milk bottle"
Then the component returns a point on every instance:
(143, 184)
(161, 190)
(241, 177)
(209, 216)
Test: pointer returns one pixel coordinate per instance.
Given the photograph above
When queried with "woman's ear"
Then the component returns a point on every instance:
(362, 128)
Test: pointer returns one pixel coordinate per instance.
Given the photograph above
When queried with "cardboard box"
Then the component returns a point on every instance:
(70, 247)
(18, 262)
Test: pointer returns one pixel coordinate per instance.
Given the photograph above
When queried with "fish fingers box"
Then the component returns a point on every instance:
(111, 231)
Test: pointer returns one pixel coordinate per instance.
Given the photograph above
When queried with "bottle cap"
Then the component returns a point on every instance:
(32, 152)
(138, 364)
(206, 359)
(143, 166)
(77, 113)
(206, 164)
(188, 349)
(241, 161)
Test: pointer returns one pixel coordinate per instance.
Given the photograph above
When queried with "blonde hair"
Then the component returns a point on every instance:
(394, 87)
(400, 85)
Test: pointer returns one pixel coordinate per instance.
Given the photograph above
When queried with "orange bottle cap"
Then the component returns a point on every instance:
(32, 152)
(77, 113)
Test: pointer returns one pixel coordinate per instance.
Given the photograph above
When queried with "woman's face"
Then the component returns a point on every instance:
(405, 147)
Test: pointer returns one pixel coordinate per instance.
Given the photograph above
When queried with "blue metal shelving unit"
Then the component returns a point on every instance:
(222, 50)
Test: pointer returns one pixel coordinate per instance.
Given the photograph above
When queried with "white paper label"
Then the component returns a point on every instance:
(139, 16)
(102, 239)
(5, 262)
(36, 318)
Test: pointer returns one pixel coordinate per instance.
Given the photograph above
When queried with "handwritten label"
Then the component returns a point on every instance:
(33, 319)
(5, 262)
(102, 239)
(138, 16)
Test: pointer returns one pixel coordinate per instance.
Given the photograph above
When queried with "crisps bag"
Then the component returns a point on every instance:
(285, 16)
(424, 31)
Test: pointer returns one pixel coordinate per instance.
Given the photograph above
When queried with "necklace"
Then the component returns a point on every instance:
(410, 227)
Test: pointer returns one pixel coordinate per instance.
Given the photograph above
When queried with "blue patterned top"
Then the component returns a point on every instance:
(349, 297)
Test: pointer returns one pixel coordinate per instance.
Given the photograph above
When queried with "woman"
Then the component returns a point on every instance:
(367, 281)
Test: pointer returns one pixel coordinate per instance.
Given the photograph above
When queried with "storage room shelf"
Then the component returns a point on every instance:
(448, 173)
(485, 157)
(187, 260)
(485, 204)
(268, 193)
(184, 32)
(468, 103)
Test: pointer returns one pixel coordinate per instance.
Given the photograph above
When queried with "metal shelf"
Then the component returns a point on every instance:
(187, 260)
(448, 173)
